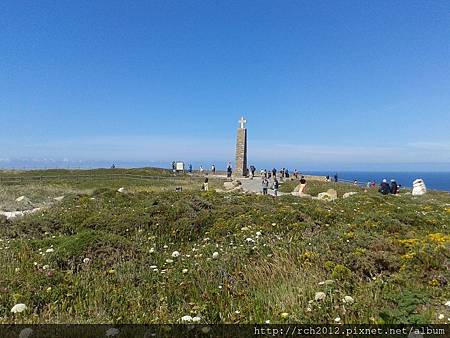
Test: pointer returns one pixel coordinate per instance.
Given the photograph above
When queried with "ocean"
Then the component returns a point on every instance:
(433, 180)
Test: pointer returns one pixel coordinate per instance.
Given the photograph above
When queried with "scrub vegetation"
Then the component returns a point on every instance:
(153, 255)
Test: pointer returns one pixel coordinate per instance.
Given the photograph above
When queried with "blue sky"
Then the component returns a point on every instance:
(323, 84)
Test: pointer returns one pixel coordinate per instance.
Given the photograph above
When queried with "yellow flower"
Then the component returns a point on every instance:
(284, 315)
(111, 271)
(439, 238)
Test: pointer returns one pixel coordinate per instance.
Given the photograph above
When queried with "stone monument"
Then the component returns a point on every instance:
(241, 149)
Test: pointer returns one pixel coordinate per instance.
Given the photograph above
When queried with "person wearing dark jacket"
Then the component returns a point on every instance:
(394, 187)
(384, 187)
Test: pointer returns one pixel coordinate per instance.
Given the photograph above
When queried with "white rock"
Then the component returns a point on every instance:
(348, 194)
(319, 296)
(329, 195)
(348, 300)
(419, 187)
(18, 308)
(186, 319)
(121, 190)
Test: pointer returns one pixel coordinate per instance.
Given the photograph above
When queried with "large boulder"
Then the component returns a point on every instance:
(329, 195)
(419, 187)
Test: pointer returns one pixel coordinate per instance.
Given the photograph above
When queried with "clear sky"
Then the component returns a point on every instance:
(323, 84)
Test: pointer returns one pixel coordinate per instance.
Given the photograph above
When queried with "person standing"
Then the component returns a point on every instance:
(265, 185)
(213, 169)
(229, 170)
(335, 178)
(252, 170)
(201, 169)
(206, 184)
(275, 186)
(274, 172)
(190, 168)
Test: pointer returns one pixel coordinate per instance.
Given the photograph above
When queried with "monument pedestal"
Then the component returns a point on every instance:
(241, 153)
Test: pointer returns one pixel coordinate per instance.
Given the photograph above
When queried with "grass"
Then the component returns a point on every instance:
(389, 253)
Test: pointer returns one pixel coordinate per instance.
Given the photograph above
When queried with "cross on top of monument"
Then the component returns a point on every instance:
(242, 121)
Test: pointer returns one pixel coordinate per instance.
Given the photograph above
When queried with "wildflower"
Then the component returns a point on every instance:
(258, 234)
(337, 319)
(244, 229)
(49, 289)
(215, 254)
(152, 267)
(169, 261)
(237, 312)
(175, 254)
(319, 296)
(165, 246)
(45, 267)
(35, 263)
(186, 319)
(185, 270)
(86, 260)
(196, 319)
(267, 322)
(250, 240)
(308, 309)
(18, 308)
(152, 250)
(284, 315)
(441, 316)
(220, 286)
(17, 269)
(49, 250)
(448, 303)
(111, 271)
(348, 300)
